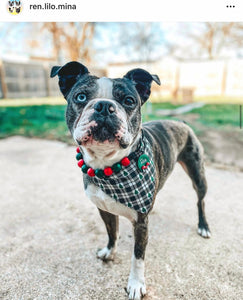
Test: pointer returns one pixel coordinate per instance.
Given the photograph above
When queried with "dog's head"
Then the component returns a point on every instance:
(18, 3)
(103, 110)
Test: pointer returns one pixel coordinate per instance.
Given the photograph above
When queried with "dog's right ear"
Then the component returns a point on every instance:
(68, 75)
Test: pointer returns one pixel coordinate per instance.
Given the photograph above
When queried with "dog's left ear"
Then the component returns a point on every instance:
(68, 75)
(142, 80)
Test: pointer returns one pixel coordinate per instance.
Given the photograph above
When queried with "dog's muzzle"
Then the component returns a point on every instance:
(101, 121)
(108, 123)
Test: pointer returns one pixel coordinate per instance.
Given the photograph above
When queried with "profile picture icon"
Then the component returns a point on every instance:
(14, 7)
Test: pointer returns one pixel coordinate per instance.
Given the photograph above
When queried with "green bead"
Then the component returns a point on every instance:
(125, 173)
(115, 197)
(79, 156)
(144, 210)
(84, 169)
(99, 173)
(129, 204)
(149, 195)
(117, 167)
(152, 178)
(121, 186)
(141, 176)
(136, 192)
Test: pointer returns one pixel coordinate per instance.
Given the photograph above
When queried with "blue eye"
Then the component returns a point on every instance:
(129, 101)
(80, 98)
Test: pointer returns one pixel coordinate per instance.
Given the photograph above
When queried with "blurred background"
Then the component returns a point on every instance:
(200, 66)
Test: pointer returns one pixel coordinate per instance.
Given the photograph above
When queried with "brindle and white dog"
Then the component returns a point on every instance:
(104, 117)
(11, 6)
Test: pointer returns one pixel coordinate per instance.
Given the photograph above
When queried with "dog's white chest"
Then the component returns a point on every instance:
(106, 203)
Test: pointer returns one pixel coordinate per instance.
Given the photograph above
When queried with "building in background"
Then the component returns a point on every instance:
(28, 77)
(23, 77)
(202, 78)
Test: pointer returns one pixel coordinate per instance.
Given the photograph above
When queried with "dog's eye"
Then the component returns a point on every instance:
(81, 98)
(129, 101)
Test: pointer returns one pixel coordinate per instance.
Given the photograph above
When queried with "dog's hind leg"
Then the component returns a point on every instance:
(136, 287)
(192, 161)
(112, 225)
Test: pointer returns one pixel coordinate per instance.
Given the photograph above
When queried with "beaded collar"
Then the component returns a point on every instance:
(143, 163)
(130, 181)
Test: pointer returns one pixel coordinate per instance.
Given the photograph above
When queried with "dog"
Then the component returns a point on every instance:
(11, 6)
(126, 163)
(17, 6)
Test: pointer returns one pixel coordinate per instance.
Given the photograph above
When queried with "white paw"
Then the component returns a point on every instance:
(106, 254)
(136, 289)
(204, 232)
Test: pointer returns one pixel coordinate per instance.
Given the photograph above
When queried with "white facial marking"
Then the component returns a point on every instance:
(105, 86)
(83, 127)
(103, 154)
(106, 203)
(136, 287)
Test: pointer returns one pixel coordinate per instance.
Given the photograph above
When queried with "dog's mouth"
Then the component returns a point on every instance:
(94, 129)
(97, 133)
(100, 135)
(105, 130)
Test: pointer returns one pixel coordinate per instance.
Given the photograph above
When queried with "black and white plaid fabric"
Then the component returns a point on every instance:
(131, 186)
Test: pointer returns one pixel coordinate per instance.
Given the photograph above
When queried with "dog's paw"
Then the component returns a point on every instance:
(106, 254)
(204, 232)
(136, 289)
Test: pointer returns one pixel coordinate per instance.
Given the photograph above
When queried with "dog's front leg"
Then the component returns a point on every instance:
(112, 223)
(136, 287)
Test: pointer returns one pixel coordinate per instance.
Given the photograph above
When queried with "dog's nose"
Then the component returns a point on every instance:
(105, 108)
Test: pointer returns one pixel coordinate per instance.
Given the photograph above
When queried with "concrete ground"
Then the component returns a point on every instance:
(49, 233)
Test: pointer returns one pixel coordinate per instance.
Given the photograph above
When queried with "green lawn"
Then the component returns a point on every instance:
(48, 121)
(210, 115)
(45, 121)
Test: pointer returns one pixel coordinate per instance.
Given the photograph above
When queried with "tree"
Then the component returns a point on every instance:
(208, 40)
(141, 40)
(75, 39)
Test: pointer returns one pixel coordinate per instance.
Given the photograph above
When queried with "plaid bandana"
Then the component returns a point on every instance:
(132, 186)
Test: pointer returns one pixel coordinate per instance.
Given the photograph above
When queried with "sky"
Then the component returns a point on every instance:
(114, 42)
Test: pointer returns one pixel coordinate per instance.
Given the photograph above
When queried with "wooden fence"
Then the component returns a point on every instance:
(28, 80)
(202, 78)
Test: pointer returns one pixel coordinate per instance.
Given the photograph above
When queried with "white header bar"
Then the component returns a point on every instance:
(123, 10)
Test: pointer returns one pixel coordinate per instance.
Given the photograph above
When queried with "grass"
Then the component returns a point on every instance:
(213, 115)
(210, 115)
(45, 121)
(48, 121)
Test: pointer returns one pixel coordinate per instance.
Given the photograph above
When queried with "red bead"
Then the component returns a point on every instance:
(78, 150)
(80, 163)
(147, 164)
(125, 161)
(91, 172)
(108, 171)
